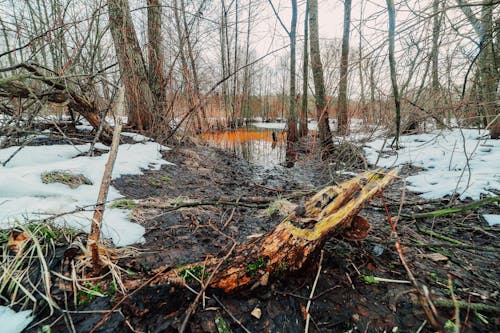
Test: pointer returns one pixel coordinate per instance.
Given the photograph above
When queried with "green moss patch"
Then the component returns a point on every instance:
(65, 177)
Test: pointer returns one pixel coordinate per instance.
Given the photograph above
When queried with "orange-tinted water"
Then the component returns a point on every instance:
(253, 144)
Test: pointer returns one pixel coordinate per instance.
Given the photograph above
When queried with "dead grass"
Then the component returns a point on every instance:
(65, 177)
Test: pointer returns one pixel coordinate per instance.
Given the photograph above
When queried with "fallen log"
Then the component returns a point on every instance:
(15, 86)
(297, 239)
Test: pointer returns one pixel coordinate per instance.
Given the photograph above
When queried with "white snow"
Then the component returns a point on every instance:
(492, 219)
(270, 125)
(12, 321)
(463, 161)
(358, 129)
(23, 195)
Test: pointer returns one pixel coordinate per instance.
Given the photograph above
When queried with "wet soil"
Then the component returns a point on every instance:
(346, 298)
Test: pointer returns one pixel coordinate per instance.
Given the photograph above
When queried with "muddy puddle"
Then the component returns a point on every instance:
(260, 146)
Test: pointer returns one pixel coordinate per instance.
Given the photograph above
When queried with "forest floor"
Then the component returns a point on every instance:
(348, 295)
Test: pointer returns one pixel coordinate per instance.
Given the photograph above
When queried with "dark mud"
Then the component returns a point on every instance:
(345, 299)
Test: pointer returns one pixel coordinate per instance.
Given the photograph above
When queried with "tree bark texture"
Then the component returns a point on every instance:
(303, 130)
(155, 50)
(342, 109)
(392, 66)
(298, 238)
(292, 112)
(139, 97)
(489, 71)
(325, 136)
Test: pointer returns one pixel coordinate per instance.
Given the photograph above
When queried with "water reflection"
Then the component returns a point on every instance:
(257, 145)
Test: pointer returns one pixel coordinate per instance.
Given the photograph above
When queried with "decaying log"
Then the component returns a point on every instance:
(297, 238)
(58, 93)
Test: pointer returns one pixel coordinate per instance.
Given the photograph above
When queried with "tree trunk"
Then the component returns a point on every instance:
(342, 110)
(155, 50)
(362, 97)
(225, 62)
(292, 112)
(303, 130)
(325, 136)
(392, 65)
(185, 67)
(436, 25)
(297, 239)
(489, 71)
(246, 76)
(139, 97)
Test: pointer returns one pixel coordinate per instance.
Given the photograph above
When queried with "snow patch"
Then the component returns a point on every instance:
(492, 219)
(24, 196)
(12, 321)
(463, 161)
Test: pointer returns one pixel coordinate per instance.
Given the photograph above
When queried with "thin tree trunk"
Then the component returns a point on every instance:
(292, 113)
(155, 50)
(303, 130)
(236, 106)
(192, 62)
(342, 110)
(489, 72)
(392, 65)
(186, 69)
(362, 99)
(223, 61)
(95, 231)
(140, 100)
(325, 136)
(246, 75)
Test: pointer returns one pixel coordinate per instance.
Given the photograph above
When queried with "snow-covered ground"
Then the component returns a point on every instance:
(23, 195)
(14, 322)
(463, 161)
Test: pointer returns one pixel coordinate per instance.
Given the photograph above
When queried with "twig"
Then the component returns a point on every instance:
(113, 309)
(442, 237)
(446, 303)
(205, 285)
(466, 315)
(17, 151)
(424, 301)
(456, 328)
(180, 205)
(231, 315)
(448, 211)
(421, 327)
(95, 230)
(379, 279)
(308, 316)
(444, 245)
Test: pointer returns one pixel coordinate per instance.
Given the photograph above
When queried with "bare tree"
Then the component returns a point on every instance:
(292, 35)
(342, 110)
(392, 65)
(325, 136)
(140, 99)
(303, 130)
(155, 50)
(489, 71)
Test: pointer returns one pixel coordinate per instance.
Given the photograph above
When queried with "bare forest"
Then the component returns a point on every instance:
(249, 166)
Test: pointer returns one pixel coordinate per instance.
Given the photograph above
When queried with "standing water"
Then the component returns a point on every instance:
(255, 145)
